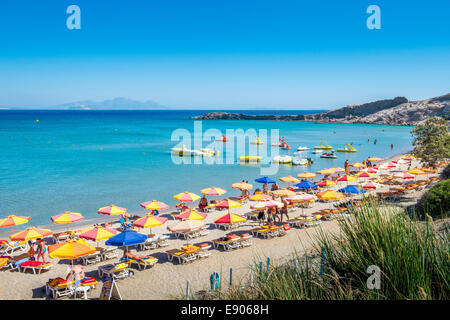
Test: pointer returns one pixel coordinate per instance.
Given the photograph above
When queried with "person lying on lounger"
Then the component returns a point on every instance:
(127, 255)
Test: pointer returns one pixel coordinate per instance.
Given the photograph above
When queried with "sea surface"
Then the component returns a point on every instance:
(56, 161)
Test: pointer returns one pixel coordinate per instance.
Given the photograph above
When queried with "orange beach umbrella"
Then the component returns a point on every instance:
(30, 233)
(112, 210)
(13, 220)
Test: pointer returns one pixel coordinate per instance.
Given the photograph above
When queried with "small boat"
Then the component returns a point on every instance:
(250, 159)
(185, 152)
(282, 159)
(347, 148)
(257, 141)
(222, 139)
(317, 151)
(302, 148)
(323, 146)
(209, 152)
(296, 161)
(330, 155)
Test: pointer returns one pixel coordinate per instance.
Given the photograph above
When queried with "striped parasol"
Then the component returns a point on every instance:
(13, 220)
(67, 217)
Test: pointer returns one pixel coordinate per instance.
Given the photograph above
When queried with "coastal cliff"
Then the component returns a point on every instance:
(397, 111)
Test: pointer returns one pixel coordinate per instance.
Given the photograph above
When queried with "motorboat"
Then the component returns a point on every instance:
(300, 148)
(328, 155)
(250, 159)
(282, 159)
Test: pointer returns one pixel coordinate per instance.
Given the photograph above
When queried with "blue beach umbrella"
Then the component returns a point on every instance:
(126, 238)
(265, 180)
(352, 189)
(306, 185)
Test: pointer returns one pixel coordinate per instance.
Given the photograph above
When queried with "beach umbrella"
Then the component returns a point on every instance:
(338, 170)
(242, 186)
(186, 196)
(374, 159)
(260, 197)
(30, 233)
(266, 204)
(301, 197)
(306, 185)
(306, 175)
(265, 180)
(191, 214)
(325, 172)
(429, 170)
(70, 249)
(357, 165)
(391, 165)
(372, 170)
(347, 178)
(112, 210)
(154, 205)
(126, 238)
(330, 195)
(409, 157)
(283, 192)
(13, 220)
(352, 189)
(364, 174)
(186, 226)
(228, 204)
(403, 175)
(213, 191)
(403, 161)
(326, 183)
(149, 221)
(369, 185)
(230, 218)
(97, 233)
(289, 179)
(416, 172)
(67, 217)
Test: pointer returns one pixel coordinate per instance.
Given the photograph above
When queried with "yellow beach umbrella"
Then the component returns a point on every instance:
(191, 214)
(326, 183)
(13, 220)
(30, 233)
(67, 217)
(306, 175)
(330, 195)
(260, 197)
(228, 204)
(154, 205)
(347, 178)
(70, 249)
(374, 159)
(186, 196)
(357, 165)
(416, 172)
(213, 191)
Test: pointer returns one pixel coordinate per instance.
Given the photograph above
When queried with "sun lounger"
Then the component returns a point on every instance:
(260, 232)
(149, 244)
(312, 221)
(109, 253)
(274, 231)
(9, 248)
(91, 258)
(59, 287)
(203, 232)
(181, 255)
(62, 236)
(297, 223)
(162, 241)
(246, 240)
(204, 250)
(253, 215)
(283, 230)
(35, 266)
(227, 243)
(117, 271)
(143, 263)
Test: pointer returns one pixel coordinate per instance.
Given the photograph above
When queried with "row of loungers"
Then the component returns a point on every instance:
(270, 231)
(233, 241)
(189, 253)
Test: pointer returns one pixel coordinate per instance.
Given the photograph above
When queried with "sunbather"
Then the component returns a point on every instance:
(77, 274)
(127, 254)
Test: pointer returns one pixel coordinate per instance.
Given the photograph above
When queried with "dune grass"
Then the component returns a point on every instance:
(413, 259)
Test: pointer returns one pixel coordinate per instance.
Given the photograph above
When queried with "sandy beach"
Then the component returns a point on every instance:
(167, 280)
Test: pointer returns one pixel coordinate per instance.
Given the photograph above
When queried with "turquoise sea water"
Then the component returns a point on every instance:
(83, 160)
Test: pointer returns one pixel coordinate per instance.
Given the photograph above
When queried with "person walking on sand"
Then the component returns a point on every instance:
(261, 216)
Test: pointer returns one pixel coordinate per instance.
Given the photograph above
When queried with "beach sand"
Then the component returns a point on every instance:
(167, 280)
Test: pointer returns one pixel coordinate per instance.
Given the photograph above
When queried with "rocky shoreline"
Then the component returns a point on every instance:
(397, 111)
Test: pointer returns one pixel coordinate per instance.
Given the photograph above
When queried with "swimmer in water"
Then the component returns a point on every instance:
(375, 141)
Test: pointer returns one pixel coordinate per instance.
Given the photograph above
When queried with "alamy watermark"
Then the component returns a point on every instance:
(374, 281)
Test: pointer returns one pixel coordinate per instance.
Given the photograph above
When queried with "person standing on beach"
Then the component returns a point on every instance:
(346, 166)
(265, 188)
(41, 250)
(261, 216)
(284, 210)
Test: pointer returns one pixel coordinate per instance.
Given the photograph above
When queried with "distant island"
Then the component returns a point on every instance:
(119, 103)
(397, 111)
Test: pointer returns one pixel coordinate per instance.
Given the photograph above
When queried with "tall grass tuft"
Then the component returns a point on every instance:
(413, 257)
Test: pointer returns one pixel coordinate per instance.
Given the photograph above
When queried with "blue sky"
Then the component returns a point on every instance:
(223, 54)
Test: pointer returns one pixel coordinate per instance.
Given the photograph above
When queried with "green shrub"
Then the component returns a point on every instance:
(436, 202)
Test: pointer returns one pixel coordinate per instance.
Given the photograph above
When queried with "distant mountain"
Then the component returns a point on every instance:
(114, 104)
